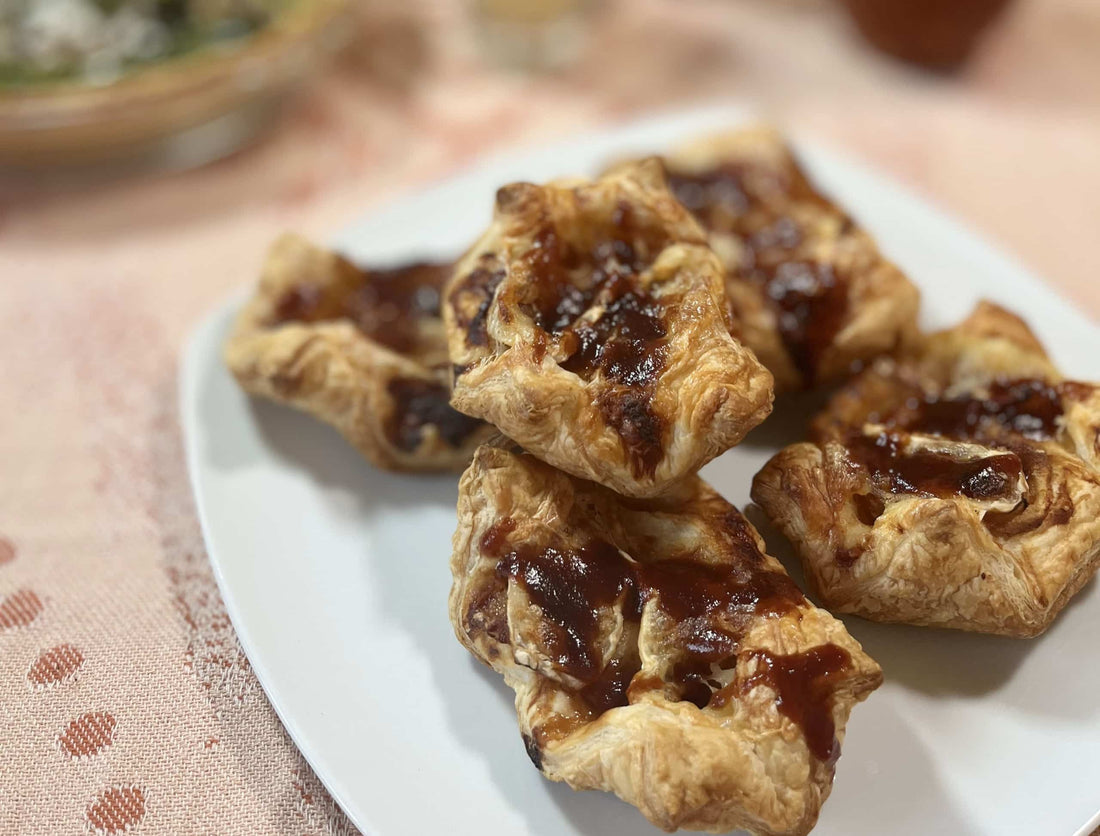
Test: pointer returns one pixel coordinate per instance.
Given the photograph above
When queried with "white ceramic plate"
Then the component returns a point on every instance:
(336, 578)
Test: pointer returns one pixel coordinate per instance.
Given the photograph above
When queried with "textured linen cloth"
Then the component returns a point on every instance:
(126, 704)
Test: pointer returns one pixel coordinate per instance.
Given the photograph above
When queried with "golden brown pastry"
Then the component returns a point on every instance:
(959, 487)
(363, 350)
(810, 291)
(655, 650)
(588, 324)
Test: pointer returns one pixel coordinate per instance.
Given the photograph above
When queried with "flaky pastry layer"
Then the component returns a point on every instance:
(810, 291)
(655, 650)
(957, 487)
(588, 324)
(362, 350)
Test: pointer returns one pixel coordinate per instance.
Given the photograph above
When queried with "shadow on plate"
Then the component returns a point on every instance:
(870, 798)
(590, 813)
(304, 442)
(323, 453)
(789, 421)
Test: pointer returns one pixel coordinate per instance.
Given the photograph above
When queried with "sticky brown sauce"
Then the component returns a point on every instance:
(627, 343)
(933, 473)
(641, 430)
(471, 299)
(711, 605)
(720, 197)
(716, 197)
(1011, 415)
(571, 587)
(808, 298)
(422, 403)
(1030, 408)
(1047, 502)
(803, 684)
(810, 302)
(386, 305)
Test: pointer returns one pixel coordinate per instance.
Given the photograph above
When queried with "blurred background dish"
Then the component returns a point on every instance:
(172, 83)
(938, 34)
(533, 34)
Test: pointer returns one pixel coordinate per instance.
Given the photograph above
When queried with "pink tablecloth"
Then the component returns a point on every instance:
(125, 701)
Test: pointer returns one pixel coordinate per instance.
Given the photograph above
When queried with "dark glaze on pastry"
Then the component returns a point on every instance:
(1027, 408)
(480, 284)
(955, 486)
(722, 194)
(932, 473)
(590, 324)
(713, 196)
(808, 289)
(625, 343)
(712, 605)
(802, 683)
(809, 299)
(1030, 408)
(1041, 505)
(811, 303)
(363, 350)
(383, 304)
(388, 305)
(419, 403)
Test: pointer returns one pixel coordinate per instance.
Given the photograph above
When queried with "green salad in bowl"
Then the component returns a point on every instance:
(86, 81)
(97, 41)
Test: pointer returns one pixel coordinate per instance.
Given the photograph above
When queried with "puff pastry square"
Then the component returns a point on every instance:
(810, 291)
(363, 350)
(958, 487)
(655, 650)
(588, 323)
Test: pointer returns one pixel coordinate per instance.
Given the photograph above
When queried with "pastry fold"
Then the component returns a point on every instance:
(956, 487)
(655, 649)
(362, 350)
(589, 324)
(810, 291)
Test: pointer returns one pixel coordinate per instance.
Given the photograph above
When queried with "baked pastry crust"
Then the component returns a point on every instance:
(958, 487)
(588, 324)
(655, 650)
(811, 293)
(362, 350)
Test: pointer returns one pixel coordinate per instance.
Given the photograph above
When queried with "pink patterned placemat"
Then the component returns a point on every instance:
(126, 704)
